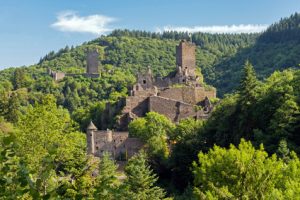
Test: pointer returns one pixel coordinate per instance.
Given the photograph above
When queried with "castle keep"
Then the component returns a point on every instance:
(179, 95)
(92, 62)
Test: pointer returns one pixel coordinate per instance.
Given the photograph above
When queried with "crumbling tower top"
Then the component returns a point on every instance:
(186, 58)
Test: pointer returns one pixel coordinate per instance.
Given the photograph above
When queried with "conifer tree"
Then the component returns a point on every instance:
(248, 84)
(247, 96)
(140, 181)
(107, 182)
(283, 150)
(13, 108)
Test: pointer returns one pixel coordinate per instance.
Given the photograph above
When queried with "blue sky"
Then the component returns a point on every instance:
(30, 29)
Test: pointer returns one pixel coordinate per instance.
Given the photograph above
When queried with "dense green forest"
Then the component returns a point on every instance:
(248, 149)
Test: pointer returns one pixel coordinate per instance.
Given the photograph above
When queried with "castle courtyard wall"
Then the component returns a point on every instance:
(185, 94)
(174, 110)
(202, 92)
(138, 105)
(120, 144)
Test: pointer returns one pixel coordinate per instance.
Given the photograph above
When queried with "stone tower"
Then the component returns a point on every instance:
(186, 58)
(90, 137)
(109, 135)
(92, 62)
(145, 80)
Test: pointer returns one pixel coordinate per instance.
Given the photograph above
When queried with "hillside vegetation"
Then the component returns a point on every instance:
(248, 148)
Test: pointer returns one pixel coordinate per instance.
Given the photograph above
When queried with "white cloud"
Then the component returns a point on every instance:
(242, 28)
(69, 21)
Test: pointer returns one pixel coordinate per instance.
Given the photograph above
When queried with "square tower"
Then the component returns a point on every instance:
(92, 62)
(185, 57)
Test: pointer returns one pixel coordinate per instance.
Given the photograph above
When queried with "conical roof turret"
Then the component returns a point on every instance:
(91, 126)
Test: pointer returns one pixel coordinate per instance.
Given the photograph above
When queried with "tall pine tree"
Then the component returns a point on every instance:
(107, 182)
(248, 85)
(247, 97)
(140, 181)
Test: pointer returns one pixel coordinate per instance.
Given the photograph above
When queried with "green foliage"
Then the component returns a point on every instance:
(20, 79)
(140, 181)
(153, 124)
(53, 151)
(283, 151)
(220, 56)
(47, 158)
(187, 140)
(12, 182)
(248, 84)
(154, 129)
(107, 183)
(243, 173)
(266, 112)
(186, 128)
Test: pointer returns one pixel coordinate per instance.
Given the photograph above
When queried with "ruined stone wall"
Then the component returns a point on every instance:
(163, 106)
(188, 94)
(174, 110)
(211, 94)
(101, 144)
(186, 110)
(138, 105)
(133, 146)
(162, 83)
(201, 93)
(144, 93)
(91, 75)
(145, 80)
(135, 106)
(119, 144)
(185, 94)
(58, 75)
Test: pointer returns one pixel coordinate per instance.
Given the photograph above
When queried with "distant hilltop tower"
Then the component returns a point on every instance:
(92, 62)
(185, 57)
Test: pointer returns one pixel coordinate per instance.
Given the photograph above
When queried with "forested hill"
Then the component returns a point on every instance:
(135, 50)
(220, 56)
(277, 48)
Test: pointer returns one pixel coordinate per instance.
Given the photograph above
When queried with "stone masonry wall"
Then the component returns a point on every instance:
(120, 144)
(185, 94)
(185, 57)
(201, 93)
(58, 76)
(174, 110)
(138, 105)
(186, 110)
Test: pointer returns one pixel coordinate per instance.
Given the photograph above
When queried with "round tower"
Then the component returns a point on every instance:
(90, 137)
(109, 135)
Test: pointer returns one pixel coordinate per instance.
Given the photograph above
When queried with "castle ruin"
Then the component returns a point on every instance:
(92, 62)
(92, 67)
(179, 95)
(118, 144)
